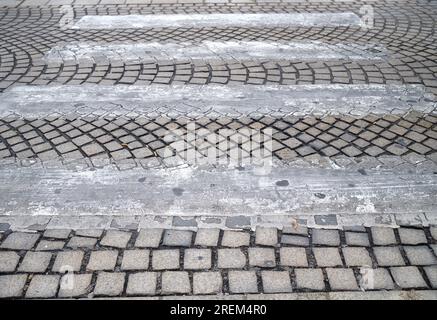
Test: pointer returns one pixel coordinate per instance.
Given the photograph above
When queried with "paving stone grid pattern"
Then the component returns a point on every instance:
(155, 262)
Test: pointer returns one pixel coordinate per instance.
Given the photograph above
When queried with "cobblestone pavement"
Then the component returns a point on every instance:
(89, 263)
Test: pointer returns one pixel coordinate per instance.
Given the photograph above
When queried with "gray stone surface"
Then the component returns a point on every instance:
(20, 241)
(311, 279)
(165, 259)
(357, 239)
(35, 262)
(49, 245)
(342, 279)
(8, 261)
(375, 279)
(235, 239)
(266, 236)
(12, 285)
(207, 237)
(433, 231)
(116, 239)
(293, 257)
(276, 281)
(68, 261)
(142, 283)
(383, 236)
(175, 282)
(420, 255)
(109, 284)
(262, 257)
(149, 238)
(296, 230)
(43, 286)
(93, 233)
(74, 285)
(207, 283)
(57, 233)
(326, 237)
(177, 238)
(431, 273)
(231, 258)
(327, 257)
(242, 282)
(407, 277)
(102, 260)
(81, 242)
(357, 257)
(302, 241)
(412, 236)
(196, 259)
(388, 256)
(135, 259)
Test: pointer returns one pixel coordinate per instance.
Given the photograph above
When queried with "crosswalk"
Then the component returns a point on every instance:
(313, 184)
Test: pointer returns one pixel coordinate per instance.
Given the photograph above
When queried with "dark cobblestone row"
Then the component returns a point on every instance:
(292, 137)
(213, 261)
(27, 33)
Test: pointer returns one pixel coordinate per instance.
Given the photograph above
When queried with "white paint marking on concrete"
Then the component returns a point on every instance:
(229, 51)
(300, 190)
(229, 100)
(219, 20)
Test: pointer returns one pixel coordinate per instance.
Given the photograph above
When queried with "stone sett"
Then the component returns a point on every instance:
(327, 257)
(231, 258)
(357, 239)
(293, 257)
(357, 257)
(276, 281)
(142, 283)
(420, 255)
(177, 238)
(57, 233)
(407, 277)
(20, 241)
(109, 284)
(388, 256)
(11, 286)
(35, 262)
(74, 285)
(293, 240)
(43, 286)
(311, 279)
(242, 282)
(431, 273)
(207, 283)
(48, 245)
(149, 238)
(207, 237)
(262, 257)
(296, 230)
(383, 236)
(375, 279)
(68, 261)
(116, 239)
(92, 233)
(326, 237)
(266, 236)
(412, 236)
(433, 231)
(82, 242)
(8, 261)
(165, 259)
(235, 239)
(175, 282)
(342, 279)
(197, 259)
(135, 260)
(102, 260)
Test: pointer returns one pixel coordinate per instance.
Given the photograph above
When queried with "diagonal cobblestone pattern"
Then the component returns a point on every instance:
(90, 263)
(161, 137)
(407, 31)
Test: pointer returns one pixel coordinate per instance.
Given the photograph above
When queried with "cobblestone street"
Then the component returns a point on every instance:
(247, 149)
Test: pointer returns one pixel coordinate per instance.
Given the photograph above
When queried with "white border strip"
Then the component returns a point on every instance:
(219, 20)
(229, 100)
(214, 50)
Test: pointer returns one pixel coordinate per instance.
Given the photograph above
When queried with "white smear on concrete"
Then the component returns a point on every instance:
(219, 20)
(214, 50)
(229, 100)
